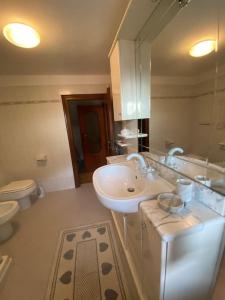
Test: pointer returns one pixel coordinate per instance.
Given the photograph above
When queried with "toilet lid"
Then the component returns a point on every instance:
(19, 185)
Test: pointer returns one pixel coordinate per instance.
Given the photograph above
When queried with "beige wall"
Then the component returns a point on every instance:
(209, 108)
(29, 127)
(171, 115)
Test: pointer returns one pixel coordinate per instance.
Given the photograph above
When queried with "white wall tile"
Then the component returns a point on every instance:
(27, 130)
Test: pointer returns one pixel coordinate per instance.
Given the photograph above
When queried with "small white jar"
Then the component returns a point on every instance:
(185, 189)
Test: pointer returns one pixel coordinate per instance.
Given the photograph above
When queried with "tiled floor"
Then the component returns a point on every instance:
(34, 243)
(32, 246)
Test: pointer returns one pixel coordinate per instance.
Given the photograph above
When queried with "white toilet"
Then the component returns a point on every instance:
(8, 210)
(20, 191)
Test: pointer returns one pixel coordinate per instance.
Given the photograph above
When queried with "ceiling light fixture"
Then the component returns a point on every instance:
(202, 48)
(21, 35)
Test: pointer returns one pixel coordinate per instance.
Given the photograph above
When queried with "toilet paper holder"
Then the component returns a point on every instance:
(41, 158)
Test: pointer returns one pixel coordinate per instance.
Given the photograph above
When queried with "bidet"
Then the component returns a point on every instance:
(8, 210)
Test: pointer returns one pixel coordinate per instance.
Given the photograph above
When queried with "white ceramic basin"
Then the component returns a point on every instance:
(121, 188)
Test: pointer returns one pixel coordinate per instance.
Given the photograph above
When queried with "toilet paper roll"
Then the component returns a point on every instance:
(185, 189)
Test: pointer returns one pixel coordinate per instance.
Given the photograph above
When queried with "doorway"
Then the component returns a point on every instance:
(93, 136)
(89, 123)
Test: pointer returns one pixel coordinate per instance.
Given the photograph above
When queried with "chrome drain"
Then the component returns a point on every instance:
(130, 189)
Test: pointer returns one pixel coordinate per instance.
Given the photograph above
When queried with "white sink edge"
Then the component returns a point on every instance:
(130, 204)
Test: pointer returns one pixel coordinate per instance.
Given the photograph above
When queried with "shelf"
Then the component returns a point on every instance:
(121, 144)
(133, 136)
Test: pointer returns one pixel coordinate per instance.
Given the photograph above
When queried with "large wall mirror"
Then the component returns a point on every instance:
(188, 87)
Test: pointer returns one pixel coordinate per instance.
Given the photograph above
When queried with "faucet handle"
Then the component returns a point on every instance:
(150, 173)
(150, 169)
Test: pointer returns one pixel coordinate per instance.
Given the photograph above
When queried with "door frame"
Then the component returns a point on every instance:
(108, 108)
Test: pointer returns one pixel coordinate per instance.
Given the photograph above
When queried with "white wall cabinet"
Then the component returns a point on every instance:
(128, 102)
(143, 75)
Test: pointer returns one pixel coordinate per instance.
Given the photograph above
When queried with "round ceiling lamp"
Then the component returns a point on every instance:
(21, 35)
(202, 48)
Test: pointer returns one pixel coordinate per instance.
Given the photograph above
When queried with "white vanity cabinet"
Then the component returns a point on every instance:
(127, 104)
(180, 255)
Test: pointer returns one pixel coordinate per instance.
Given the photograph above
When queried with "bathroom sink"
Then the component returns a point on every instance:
(121, 188)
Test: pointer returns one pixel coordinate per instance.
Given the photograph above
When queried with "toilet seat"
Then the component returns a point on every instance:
(16, 186)
(17, 190)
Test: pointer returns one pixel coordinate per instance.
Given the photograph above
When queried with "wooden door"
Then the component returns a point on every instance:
(93, 135)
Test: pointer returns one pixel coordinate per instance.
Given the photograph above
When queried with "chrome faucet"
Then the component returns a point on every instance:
(172, 152)
(142, 162)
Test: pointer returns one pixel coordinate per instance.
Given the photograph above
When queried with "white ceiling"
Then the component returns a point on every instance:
(76, 35)
(196, 22)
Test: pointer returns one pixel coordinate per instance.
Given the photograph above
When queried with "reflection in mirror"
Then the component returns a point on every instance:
(188, 94)
(217, 149)
(183, 86)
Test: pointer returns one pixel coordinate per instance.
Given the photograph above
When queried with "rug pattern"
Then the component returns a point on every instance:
(86, 266)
